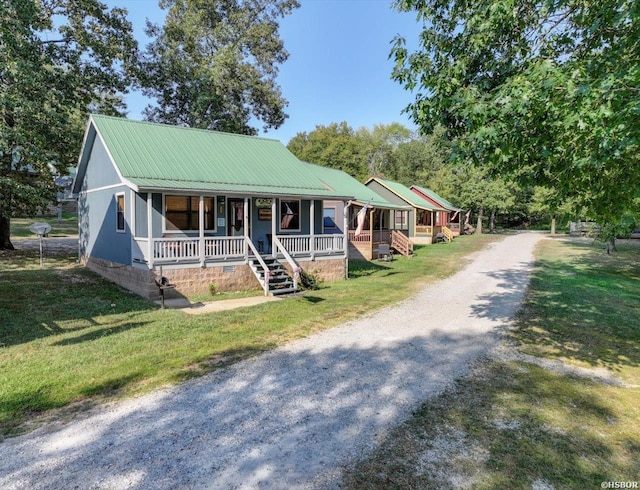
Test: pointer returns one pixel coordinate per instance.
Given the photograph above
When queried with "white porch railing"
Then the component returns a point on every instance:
(169, 250)
(224, 247)
(296, 244)
(329, 244)
(279, 247)
(172, 249)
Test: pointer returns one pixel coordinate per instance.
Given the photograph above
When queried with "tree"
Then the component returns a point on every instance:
(423, 160)
(58, 60)
(213, 65)
(548, 92)
(475, 190)
(545, 202)
(381, 142)
(336, 146)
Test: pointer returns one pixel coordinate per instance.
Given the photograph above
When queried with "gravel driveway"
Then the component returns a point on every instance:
(294, 416)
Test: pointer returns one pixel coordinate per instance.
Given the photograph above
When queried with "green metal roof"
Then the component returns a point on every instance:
(158, 156)
(406, 194)
(436, 197)
(344, 184)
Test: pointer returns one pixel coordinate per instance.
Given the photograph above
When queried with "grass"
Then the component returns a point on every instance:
(67, 227)
(513, 424)
(69, 339)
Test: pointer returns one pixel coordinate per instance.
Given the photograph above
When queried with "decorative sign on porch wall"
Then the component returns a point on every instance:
(263, 202)
(264, 208)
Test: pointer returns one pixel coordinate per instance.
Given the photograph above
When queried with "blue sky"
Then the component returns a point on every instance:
(338, 69)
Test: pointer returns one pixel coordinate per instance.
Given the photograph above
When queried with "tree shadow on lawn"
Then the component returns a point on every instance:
(296, 415)
(290, 416)
(364, 268)
(49, 302)
(570, 312)
(586, 313)
(508, 425)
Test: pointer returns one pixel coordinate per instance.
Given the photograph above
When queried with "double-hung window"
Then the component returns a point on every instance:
(182, 213)
(120, 216)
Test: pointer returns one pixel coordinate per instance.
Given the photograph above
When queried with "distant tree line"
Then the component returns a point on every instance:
(394, 152)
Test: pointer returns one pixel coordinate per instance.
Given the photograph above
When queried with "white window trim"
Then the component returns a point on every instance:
(124, 212)
(335, 216)
(181, 232)
(299, 201)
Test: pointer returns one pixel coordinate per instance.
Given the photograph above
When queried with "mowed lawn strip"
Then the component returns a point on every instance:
(514, 424)
(69, 338)
(67, 226)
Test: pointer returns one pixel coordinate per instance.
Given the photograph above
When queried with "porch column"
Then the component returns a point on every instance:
(149, 230)
(312, 228)
(371, 230)
(201, 230)
(345, 229)
(274, 228)
(245, 220)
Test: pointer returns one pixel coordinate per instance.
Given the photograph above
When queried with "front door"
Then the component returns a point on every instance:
(235, 217)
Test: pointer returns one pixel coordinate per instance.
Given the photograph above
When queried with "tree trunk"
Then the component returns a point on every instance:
(479, 227)
(5, 198)
(492, 221)
(5, 238)
(553, 224)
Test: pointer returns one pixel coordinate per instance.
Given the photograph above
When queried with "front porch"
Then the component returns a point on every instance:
(210, 251)
(233, 242)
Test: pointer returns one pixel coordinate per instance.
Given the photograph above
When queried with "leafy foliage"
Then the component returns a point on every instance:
(58, 60)
(213, 65)
(336, 146)
(548, 92)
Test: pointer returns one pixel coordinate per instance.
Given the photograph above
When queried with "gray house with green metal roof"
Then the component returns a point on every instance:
(420, 220)
(200, 207)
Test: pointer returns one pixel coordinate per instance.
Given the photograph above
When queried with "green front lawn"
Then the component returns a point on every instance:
(69, 338)
(67, 227)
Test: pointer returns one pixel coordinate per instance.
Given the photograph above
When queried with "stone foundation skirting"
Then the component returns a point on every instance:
(196, 280)
(139, 281)
(328, 270)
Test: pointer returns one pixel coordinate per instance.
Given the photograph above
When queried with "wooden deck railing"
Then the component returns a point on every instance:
(365, 236)
(424, 229)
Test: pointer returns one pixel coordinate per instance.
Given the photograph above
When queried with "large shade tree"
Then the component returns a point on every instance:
(546, 91)
(337, 145)
(214, 64)
(58, 60)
